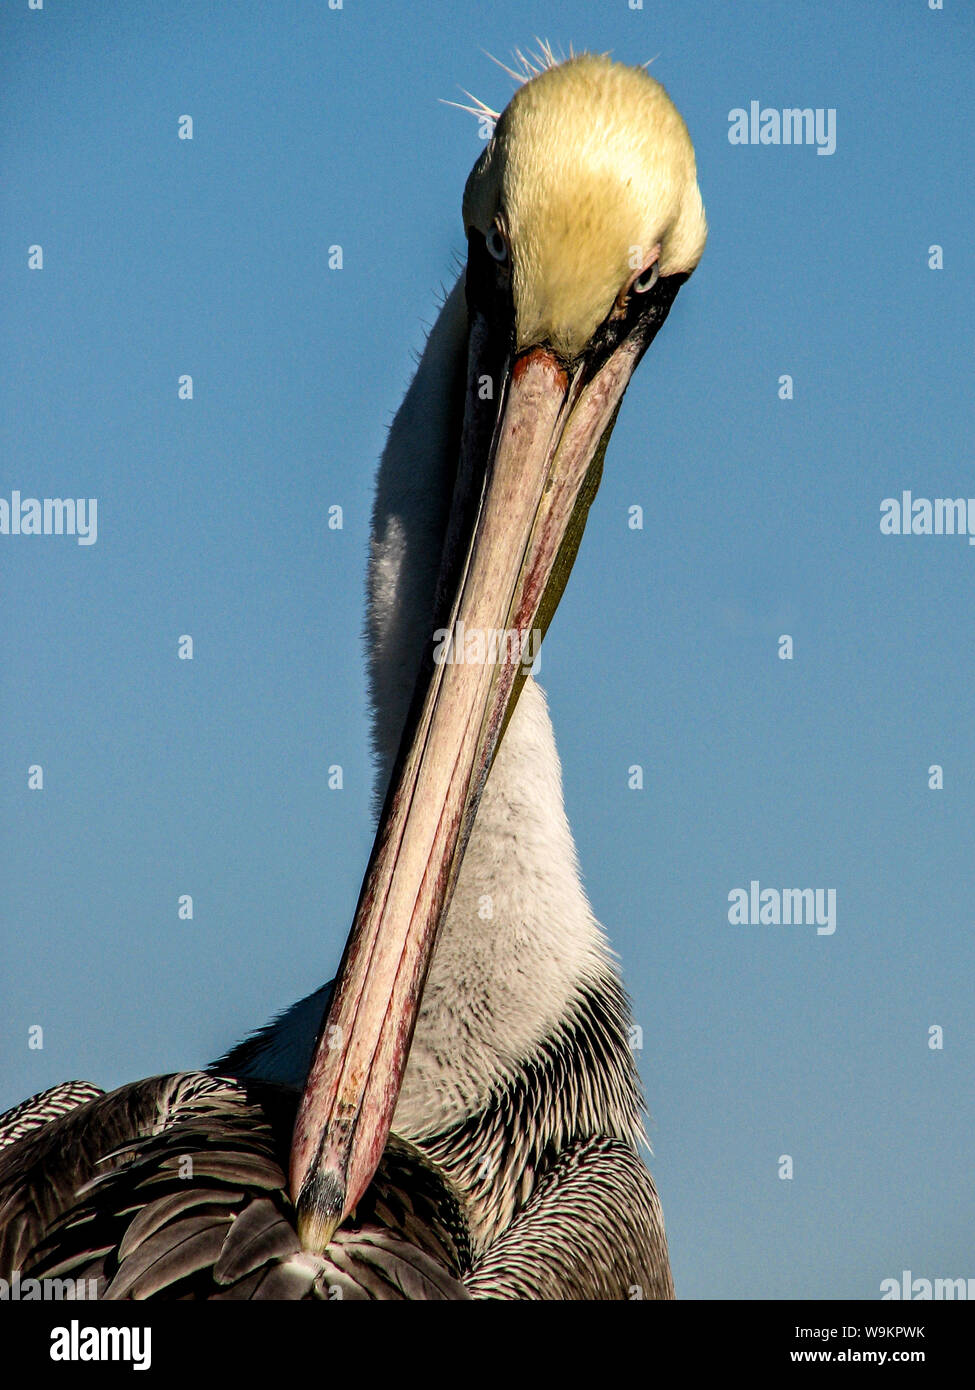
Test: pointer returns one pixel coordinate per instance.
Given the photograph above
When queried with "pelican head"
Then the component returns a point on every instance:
(588, 184)
(583, 218)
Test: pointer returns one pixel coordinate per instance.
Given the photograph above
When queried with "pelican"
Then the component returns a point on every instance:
(459, 1114)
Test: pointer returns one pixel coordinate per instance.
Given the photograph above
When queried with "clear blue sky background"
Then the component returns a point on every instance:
(162, 777)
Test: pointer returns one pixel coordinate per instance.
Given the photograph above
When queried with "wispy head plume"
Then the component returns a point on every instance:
(527, 66)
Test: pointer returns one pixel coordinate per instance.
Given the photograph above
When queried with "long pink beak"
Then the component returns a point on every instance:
(528, 470)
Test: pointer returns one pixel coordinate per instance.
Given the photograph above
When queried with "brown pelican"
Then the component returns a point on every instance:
(478, 1013)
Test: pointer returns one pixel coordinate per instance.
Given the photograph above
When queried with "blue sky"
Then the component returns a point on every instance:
(761, 517)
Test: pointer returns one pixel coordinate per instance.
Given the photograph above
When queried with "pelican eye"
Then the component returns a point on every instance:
(496, 244)
(648, 279)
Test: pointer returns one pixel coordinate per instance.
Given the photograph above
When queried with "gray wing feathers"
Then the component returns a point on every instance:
(260, 1235)
(174, 1188)
(375, 1263)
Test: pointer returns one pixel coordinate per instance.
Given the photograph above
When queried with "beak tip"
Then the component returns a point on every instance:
(320, 1210)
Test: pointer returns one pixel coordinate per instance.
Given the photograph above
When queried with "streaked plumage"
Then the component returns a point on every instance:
(516, 1171)
(39, 1110)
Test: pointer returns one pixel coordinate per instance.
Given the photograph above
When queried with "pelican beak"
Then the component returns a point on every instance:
(535, 431)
